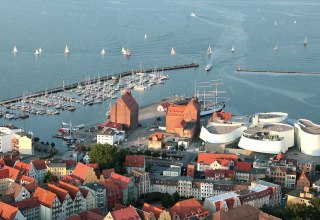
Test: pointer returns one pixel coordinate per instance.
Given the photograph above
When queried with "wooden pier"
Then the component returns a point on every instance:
(104, 78)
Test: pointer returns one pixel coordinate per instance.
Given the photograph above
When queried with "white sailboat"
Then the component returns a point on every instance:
(295, 21)
(305, 41)
(15, 50)
(40, 50)
(127, 52)
(276, 47)
(209, 50)
(208, 67)
(145, 36)
(37, 52)
(103, 52)
(173, 52)
(123, 51)
(66, 50)
(232, 49)
(193, 14)
(275, 23)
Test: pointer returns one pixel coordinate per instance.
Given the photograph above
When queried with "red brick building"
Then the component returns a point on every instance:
(125, 111)
(183, 119)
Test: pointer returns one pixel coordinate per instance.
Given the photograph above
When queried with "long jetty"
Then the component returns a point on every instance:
(277, 71)
(92, 81)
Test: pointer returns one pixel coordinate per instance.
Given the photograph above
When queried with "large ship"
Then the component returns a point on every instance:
(209, 97)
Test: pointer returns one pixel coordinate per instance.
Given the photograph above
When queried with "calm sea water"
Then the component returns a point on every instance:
(89, 26)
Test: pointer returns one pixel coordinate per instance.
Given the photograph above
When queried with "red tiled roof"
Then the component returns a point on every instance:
(14, 190)
(190, 170)
(4, 173)
(111, 124)
(93, 165)
(135, 161)
(109, 185)
(158, 135)
(84, 192)
(61, 193)
(243, 166)
(223, 162)
(121, 181)
(13, 173)
(39, 164)
(304, 175)
(188, 208)
(30, 203)
(72, 190)
(31, 186)
(128, 213)
(23, 167)
(27, 179)
(45, 197)
(129, 101)
(81, 171)
(209, 158)
(226, 116)
(225, 173)
(69, 163)
(119, 206)
(154, 209)
(280, 155)
(88, 215)
(107, 172)
(7, 211)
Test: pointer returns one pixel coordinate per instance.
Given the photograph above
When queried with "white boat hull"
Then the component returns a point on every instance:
(209, 111)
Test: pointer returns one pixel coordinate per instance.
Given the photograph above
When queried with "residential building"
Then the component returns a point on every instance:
(79, 202)
(23, 143)
(300, 196)
(142, 181)
(245, 211)
(88, 215)
(165, 184)
(10, 212)
(128, 213)
(40, 169)
(50, 206)
(113, 193)
(275, 197)
(220, 174)
(284, 175)
(216, 161)
(183, 118)
(18, 192)
(155, 141)
(306, 166)
(84, 173)
(172, 171)
(159, 213)
(25, 169)
(303, 181)
(135, 162)
(188, 209)
(8, 141)
(29, 208)
(57, 169)
(257, 173)
(243, 170)
(125, 111)
(90, 200)
(110, 136)
(98, 192)
(128, 189)
(5, 179)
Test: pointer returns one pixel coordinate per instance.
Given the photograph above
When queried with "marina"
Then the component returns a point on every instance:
(88, 92)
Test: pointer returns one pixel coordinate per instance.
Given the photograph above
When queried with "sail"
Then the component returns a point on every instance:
(15, 50)
(173, 52)
(102, 52)
(276, 47)
(66, 50)
(209, 50)
(232, 49)
(40, 50)
(36, 52)
(128, 52)
(305, 42)
(145, 36)
(275, 23)
(123, 51)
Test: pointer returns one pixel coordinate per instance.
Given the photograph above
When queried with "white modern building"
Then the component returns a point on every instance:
(269, 118)
(270, 138)
(110, 136)
(224, 128)
(308, 137)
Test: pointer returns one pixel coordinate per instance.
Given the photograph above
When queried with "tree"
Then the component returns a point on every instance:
(104, 154)
(52, 144)
(176, 196)
(167, 201)
(36, 139)
(49, 177)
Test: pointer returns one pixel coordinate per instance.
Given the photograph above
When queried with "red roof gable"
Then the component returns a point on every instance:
(209, 158)
(81, 171)
(244, 166)
(7, 211)
(27, 179)
(45, 197)
(188, 208)
(135, 161)
(4, 173)
(23, 167)
(39, 164)
(61, 193)
(121, 181)
(129, 101)
(226, 116)
(87, 215)
(29, 203)
(304, 175)
(154, 209)
(158, 135)
(128, 213)
(13, 173)
(72, 190)
(110, 124)
(109, 185)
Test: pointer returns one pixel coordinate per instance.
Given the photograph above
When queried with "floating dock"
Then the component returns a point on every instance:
(104, 78)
